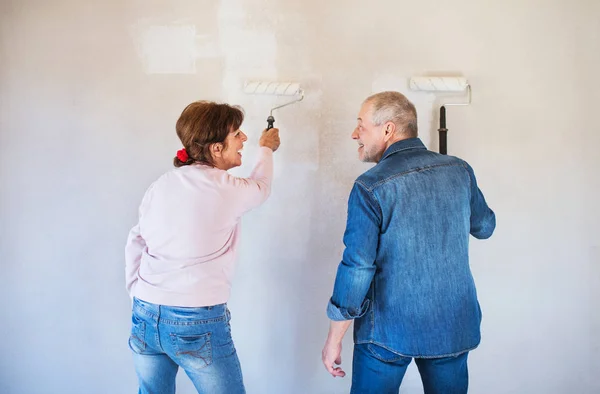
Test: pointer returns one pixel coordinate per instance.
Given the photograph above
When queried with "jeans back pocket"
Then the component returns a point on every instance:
(382, 354)
(193, 351)
(137, 339)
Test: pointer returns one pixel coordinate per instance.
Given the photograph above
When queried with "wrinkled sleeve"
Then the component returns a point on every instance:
(134, 248)
(249, 193)
(133, 256)
(483, 219)
(357, 268)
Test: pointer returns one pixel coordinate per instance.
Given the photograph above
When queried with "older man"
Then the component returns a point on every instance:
(405, 275)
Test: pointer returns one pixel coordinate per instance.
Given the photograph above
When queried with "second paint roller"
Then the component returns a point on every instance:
(275, 89)
(442, 84)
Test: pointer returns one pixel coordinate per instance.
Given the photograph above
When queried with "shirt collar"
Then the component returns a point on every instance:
(402, 145)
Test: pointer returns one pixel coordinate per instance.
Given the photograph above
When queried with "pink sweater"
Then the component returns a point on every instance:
(182, 251)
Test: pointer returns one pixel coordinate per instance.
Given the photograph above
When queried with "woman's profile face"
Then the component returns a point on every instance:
(231, 156)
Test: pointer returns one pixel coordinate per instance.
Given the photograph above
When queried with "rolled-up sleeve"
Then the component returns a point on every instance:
(357, 268)
(338, 313)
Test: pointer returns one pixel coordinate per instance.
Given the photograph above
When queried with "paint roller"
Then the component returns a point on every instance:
(275, 89)
(442, 84)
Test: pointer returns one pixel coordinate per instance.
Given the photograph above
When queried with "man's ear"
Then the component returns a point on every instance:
(389, 129)
(216, 149)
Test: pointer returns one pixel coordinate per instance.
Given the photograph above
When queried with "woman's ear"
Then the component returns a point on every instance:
(216, 149)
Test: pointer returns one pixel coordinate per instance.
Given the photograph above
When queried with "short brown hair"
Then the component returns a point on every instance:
(203, 123)
(394, 107)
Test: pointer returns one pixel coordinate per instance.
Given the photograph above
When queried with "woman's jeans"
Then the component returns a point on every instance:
(164, 338)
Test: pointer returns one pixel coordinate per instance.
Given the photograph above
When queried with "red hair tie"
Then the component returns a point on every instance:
(182, 155)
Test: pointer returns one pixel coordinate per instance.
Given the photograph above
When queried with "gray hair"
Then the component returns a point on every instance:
(394, 107)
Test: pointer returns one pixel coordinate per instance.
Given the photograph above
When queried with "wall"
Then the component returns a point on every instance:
(89, 95)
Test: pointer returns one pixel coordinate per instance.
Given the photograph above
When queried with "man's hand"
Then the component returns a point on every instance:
(332, 353)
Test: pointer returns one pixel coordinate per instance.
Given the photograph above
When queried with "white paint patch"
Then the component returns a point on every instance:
(207, 47)
(168, 49)
(249, 52)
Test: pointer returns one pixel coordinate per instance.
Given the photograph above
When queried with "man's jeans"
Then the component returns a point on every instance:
(379, 371)
(164, 338)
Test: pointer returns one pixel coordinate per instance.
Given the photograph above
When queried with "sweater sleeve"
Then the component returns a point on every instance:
(249, 193)
(133, 256)
(134, 248)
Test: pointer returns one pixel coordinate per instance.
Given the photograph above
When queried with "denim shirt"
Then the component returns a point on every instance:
(405, 274)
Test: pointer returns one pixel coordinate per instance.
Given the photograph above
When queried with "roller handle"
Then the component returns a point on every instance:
(270, 121)
(443, 131)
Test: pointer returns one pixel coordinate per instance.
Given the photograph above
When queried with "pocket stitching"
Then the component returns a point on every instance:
(138, 333)
(207, 346)
(380, 357)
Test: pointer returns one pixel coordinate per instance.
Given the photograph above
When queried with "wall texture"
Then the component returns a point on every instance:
(89, 95)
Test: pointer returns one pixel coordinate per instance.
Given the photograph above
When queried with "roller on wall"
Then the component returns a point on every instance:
(290, 89)
(443, 85)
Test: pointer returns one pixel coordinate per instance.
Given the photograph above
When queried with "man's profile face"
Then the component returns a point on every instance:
(370, 138)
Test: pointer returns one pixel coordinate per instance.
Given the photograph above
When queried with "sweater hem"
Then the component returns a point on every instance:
(181, 300)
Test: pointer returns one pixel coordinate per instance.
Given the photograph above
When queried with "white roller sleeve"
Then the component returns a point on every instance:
(447, 84)
(274, 88)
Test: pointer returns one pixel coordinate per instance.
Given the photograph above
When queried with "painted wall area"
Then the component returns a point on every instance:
(89, 96)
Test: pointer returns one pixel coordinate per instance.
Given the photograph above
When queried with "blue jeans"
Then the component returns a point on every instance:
(378, 371)
(164, 338)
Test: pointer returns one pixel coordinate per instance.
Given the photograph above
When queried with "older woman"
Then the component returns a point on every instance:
(180, 256)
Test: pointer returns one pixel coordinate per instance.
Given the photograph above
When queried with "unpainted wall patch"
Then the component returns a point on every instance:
(169, 49)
